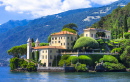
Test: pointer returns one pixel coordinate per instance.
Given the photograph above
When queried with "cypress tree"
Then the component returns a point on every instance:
(37, 55)
(125, 24)
(32, 40)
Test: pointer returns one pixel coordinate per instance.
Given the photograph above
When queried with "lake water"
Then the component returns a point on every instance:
(7, 76)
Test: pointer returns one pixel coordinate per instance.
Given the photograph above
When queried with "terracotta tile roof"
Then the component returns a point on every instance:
(128, 30)
(46, 47)
(64, 32)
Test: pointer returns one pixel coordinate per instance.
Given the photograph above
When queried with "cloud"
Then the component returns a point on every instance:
(38, 8)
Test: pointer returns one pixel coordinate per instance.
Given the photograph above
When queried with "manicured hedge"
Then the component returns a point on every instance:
(85, 60)
(86, 42)
(73, 59)
(109, 58)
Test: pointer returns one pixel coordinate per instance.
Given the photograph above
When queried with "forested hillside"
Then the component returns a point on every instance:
(118, 21)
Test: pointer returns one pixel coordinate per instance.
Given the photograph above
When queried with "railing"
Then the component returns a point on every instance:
(87, 53)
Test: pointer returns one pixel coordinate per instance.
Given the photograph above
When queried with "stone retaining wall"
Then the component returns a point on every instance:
(55, 69)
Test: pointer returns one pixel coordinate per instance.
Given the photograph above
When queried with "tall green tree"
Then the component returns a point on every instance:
(71, 26)
(32, 40)
(125, 24)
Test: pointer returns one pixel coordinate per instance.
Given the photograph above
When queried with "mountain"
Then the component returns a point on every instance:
(42, 27)
(11, 24)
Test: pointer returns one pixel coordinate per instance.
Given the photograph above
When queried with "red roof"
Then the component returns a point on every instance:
(64, 32)
(46, 47)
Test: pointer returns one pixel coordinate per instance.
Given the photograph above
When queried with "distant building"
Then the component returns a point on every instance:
(92, 32)
(59, 41)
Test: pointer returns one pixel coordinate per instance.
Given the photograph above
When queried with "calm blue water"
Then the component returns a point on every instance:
(7, 76)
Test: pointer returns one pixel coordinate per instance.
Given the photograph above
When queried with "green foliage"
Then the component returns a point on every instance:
(109, 58)
(125, 24)
(31, 67)
(114, 67)
(86, 42)
(61, 62)
(49, 38)
(32, 56)
(100, 41)
(73, 59)
(126, 43)
(37, 55)
(56, 60)
(81, 67)
(127, 35)
(14, 63)
(18, 50)
(71, 26)
(44, 44)
(69, 29)
(85, 60)
(32, 40)
(116, 22)
(81, 35)
(119, 50)
(95, 57)
(125, 59)
(64, 58)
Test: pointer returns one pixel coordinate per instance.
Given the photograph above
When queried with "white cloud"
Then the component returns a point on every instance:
(38, 8)
(103, 2)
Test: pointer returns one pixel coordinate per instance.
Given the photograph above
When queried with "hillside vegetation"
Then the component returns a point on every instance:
(118, 22)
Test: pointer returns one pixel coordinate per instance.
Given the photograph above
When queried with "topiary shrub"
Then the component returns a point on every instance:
(114, 67)
(109, 58)
(86, 42)
(85, 60)
(73, 59)
(81, 67)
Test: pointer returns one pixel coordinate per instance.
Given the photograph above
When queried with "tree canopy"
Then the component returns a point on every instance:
(18, 50)
(71, 26)
(86, 42)
(69, 29)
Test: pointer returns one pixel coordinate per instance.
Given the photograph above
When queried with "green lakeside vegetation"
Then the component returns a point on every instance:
(118, 22)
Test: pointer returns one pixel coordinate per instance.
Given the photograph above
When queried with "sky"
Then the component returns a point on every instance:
(31, 9)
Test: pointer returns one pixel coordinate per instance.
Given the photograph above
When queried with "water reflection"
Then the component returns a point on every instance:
(7, 76)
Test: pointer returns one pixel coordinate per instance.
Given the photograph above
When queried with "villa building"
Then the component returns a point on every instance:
(93, 32)
(59, 41)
